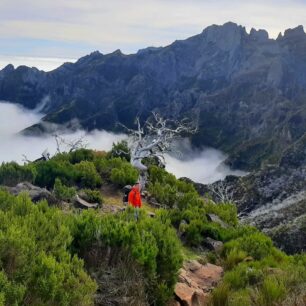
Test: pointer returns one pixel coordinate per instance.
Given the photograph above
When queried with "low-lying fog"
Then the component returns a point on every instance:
(202, 166)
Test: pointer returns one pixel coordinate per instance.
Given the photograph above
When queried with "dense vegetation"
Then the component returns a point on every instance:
(51, 257)
(37, 267)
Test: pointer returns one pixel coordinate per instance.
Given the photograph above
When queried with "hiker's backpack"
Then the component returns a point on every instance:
(126, 191)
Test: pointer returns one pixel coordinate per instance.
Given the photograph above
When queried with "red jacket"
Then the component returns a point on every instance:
(135, 197)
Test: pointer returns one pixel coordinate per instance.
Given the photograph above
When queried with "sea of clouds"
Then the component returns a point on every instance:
(13, 145)
(205, 166)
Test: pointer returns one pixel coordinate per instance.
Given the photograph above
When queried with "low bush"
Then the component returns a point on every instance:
(120, 149)
(233, 258)
(11, 174)
(126, 174)
(271, 292)
(37, 267)
(151, 242)
(63, 192)
(256, 245)
(80, 155)
(220, 295)
(87, 175)
(48, 171)
(240, 298)
(92, 196)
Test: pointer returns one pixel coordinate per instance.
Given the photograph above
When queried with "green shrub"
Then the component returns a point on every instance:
(11, 174)
(104, 166)
(87, 175)
(80, 155)
(151, 242)
(11, 293)
(227, 212)
(256, 245)
(116, 170)
(271, 292)
(125, 175)
(212, 257)
(93, 196)
(220, 295)
(190, 200)
(240, 298)
(233, 258)
(242, 276)
(63, 192)
(164, 193)
(120, 149)
(37, 267)
(48, 171)
(194, 232)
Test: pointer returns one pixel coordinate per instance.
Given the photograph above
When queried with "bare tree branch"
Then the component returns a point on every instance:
(63, 144)
(154, 139)
(223, 192)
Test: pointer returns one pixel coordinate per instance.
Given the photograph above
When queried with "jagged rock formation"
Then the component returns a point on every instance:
(246, 91)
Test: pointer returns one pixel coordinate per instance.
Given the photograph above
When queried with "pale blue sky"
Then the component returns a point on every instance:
(72, 28)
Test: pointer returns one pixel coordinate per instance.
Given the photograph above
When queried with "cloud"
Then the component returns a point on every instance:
(14, 118)
(204, 166)
(134, 24)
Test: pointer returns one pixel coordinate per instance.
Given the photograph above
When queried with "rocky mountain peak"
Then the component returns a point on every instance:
(8, 68)
(117, 52)
(295, 32)
(90, 57)
(227, 36)
(259, 35)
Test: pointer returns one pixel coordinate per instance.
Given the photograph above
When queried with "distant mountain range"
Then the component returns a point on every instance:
(246, 92)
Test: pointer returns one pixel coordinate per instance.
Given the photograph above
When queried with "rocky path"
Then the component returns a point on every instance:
(195, 283)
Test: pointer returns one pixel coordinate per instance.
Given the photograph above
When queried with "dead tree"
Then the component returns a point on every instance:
(154, 139)
(62, 145)
(69, 145)
(44, 156)
(222, 192)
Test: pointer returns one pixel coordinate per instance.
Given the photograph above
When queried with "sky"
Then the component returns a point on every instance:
(67, 30)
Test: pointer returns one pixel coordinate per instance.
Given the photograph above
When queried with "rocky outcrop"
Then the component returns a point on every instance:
(36, 193)
(196, 281)
(216, 219)
(213, 245)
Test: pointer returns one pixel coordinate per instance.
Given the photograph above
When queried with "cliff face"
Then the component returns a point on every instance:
(246, 92)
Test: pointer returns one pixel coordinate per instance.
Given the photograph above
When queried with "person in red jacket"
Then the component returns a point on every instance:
(135, 199)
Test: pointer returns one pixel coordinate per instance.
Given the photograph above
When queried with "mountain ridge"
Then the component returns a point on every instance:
(245, 91)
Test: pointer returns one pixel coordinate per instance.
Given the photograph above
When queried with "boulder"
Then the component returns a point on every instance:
(36, 193)
(216, 219)
(213, 245)
(196, 281)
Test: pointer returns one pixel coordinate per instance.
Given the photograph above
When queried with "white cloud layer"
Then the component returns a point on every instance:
(205, 166)
(201, 166)
(14, 118)
(130, 25)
